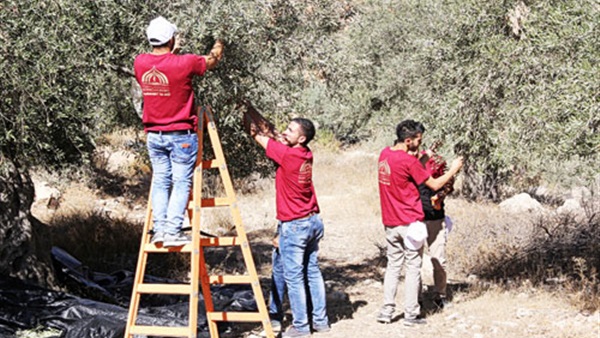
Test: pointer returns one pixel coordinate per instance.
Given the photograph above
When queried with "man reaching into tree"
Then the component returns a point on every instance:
(300, 226)
(170, 121)
(435, 219)
(399, 174)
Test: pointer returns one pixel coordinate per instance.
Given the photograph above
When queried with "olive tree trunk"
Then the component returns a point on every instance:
(24, 240)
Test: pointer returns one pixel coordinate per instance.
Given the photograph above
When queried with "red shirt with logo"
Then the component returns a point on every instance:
(166, 82)
(295, 193)
(399, 176)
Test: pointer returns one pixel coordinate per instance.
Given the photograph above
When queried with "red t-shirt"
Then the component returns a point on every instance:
(295, 193)
(166, 82)
(399, 176)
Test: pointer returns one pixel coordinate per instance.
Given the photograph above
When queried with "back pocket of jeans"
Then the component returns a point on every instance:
(185, 149)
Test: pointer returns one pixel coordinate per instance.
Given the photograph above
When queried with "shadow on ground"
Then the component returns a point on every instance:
(104, 244)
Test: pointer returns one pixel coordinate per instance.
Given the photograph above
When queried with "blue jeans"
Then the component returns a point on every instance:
(299, 246)
(277, 287)
(173, 160)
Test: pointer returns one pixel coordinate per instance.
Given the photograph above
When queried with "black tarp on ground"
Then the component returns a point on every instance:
(24, 307)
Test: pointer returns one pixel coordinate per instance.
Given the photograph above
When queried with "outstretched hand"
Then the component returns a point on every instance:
(457, 163)
(177, 45)
(255, 123)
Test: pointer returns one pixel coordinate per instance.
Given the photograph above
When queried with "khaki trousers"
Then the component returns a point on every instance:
(436, 241)
(398, 256)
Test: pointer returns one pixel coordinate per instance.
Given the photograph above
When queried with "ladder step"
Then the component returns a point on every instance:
(230, 279)
(210, 164)
(216, 202)
(212, 202)
(209, 241)
(234, 316)
(167, 289)
(220, 241)
(181, 331)
(155, 249)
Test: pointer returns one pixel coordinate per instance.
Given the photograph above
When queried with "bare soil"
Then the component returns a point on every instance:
(353, 261)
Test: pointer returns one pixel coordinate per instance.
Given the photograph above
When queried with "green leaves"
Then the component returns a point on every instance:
(506, 84)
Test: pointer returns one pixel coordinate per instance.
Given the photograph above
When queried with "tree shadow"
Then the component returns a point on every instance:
(108, 239)
(115, 185)
(431, 305)
(339, 279)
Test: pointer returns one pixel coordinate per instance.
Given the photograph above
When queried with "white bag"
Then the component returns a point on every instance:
(415, 236)
(448, 222)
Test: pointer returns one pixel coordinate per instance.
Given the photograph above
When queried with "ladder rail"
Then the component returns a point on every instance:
(139, 270)
(200, 280)
(202, 273)
(237, 220)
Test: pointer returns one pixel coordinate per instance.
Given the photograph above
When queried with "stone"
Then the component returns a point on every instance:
(579, 194)
(523, 313)
(521, 203)
(571, 206)
(44, 192)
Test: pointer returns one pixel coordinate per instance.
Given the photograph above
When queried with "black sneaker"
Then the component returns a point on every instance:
(178, 239)
(414, 321)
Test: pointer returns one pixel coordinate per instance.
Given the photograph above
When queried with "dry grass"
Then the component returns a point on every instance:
(480, 229)
(103, 243)
(122, 138)
(479, 250)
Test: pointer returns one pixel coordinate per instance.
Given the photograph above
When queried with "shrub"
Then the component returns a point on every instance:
(561, 249)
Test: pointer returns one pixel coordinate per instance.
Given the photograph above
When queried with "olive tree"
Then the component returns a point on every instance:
(511, 86)
(66, 76)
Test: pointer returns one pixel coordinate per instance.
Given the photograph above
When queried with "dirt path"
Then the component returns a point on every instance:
(354, 274)
(353, 270)
(353, 264)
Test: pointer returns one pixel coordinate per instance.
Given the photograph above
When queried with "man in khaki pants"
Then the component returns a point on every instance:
(435, 219)
(399, 174)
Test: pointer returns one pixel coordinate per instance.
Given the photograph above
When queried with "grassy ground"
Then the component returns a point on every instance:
(101, 227)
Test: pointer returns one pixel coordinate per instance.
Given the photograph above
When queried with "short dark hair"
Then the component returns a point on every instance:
(308, 129)
(166, 44)
(408, 129)
(159, 46)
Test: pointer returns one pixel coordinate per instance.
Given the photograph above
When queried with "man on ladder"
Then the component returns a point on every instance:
(170, 121)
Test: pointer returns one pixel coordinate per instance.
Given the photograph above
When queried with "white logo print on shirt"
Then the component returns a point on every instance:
(384, 172)
(155, 83)
(305, 174)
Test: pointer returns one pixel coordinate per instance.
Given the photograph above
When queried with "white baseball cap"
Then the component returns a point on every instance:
(160, 31)
(416, 234)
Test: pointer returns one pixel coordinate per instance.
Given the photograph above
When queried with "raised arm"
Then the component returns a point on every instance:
(215, 55)
(254, 131)
(436, 184)
(259, 128)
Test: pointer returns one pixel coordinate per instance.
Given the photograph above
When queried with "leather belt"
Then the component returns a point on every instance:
(172, 132)
(311, 214)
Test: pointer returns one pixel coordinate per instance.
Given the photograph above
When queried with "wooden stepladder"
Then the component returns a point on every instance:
(200, 280)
